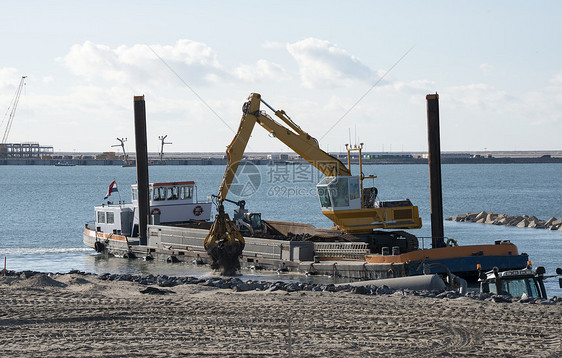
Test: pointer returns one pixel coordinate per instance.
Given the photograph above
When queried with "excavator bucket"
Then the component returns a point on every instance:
(224, 244)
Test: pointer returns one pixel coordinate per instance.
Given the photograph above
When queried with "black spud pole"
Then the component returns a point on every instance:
(142, 167)
(434, 160)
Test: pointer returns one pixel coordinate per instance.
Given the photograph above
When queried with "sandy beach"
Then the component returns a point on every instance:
(76, 315)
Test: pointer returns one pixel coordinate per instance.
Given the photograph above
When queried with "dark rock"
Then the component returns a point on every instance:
(292, 287)
(155, 291)
(167, 283)
(360, 290)
(76, 272)
(384, 290)
(501, 299)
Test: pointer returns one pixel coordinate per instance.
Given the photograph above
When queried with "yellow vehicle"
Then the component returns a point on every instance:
(343, 198)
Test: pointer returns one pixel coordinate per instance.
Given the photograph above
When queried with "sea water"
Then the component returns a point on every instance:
(44, 208)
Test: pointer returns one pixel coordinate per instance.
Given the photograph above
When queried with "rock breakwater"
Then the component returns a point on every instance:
(160, 284)
(504, 219)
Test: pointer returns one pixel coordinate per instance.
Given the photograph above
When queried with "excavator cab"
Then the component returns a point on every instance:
(341, 201)
(340, 193)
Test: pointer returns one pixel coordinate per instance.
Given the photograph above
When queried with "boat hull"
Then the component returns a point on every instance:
(180, 244)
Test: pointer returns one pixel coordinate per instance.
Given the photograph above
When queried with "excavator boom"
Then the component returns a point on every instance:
(295, 138)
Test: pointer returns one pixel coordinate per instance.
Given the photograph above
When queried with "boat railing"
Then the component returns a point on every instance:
(348, 250)
(422, 246)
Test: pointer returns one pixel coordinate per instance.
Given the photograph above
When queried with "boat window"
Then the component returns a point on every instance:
(101, 217)
(110, 218)
(172, 193)
(186, 192)
(160, 193)
(134, 194)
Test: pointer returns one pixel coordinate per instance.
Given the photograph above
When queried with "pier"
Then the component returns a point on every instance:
(33, 154)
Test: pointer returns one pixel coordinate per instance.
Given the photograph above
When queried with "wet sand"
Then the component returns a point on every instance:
(75, 315)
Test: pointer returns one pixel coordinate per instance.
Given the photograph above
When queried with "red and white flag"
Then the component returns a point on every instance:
(112, 189)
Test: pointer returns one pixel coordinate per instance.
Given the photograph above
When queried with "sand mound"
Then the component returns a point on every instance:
(38, 281)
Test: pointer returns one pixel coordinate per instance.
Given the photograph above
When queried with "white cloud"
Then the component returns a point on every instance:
(324, 64)
(274, 45)
(411, 86)
(262, 70)
(9, 77)
(557, 79)
(194, 61)
(486, 68)
(479, 95)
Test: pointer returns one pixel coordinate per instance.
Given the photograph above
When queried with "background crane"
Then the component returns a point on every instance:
(12, 112)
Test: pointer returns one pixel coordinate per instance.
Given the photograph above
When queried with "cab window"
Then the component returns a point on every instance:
(519, 286)
(110, 218)
(101, 217)
(340, 192)
(324, 197)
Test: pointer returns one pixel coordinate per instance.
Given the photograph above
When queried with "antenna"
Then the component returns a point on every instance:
(122, 145)
(162, 139)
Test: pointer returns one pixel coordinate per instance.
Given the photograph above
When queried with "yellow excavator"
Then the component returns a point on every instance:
(343, 199)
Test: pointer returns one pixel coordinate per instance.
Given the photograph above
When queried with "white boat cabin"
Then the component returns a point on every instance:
(173, 202)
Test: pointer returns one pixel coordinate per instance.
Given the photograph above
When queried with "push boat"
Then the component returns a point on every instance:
(366, 242)
(116, 225)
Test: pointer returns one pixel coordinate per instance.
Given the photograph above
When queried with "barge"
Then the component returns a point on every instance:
(166, 222)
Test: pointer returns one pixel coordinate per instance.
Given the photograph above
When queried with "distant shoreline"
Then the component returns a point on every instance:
(257, 161)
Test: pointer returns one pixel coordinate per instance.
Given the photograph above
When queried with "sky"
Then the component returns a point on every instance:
(344, 71)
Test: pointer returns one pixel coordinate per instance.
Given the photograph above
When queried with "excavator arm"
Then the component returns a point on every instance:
(224, 243)
(294, 137)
